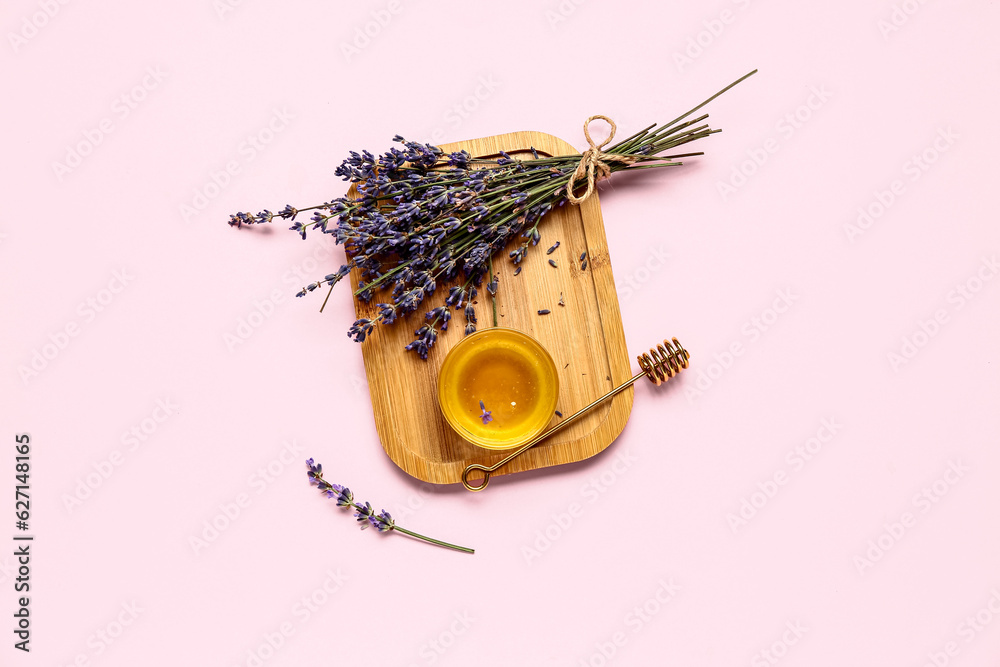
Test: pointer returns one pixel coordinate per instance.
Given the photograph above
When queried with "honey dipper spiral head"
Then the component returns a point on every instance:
(664, 361)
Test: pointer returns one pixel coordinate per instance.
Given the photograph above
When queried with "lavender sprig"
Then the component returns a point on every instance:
(423, 217)
(366, 516)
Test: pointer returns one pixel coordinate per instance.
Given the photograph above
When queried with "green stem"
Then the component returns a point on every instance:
(493, 297)
(447, 545)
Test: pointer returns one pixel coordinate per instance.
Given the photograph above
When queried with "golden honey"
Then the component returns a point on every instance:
(514, 378)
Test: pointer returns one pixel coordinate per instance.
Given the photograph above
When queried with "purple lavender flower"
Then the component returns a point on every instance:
(487, 415)
(342, 494)
(456, 297)
(382, 521)
(366, 516)
(363, 513)
(360, 329)
(423, 218)
(386, 312)
(426, 336)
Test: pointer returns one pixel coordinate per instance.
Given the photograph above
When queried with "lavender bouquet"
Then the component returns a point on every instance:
(424, 219)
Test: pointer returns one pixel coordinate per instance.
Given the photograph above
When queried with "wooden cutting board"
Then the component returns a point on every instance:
(584, 337)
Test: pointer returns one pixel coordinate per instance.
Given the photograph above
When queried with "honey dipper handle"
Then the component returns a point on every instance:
(488, 470)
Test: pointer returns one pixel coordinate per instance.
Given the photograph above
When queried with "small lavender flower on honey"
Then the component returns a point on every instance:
(424, 219)
(552, 249)
(487, 415)
(363, 512)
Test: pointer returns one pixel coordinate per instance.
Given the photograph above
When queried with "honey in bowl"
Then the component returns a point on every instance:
(511, 374)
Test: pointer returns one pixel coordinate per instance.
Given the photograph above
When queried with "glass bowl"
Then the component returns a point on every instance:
(512, 375)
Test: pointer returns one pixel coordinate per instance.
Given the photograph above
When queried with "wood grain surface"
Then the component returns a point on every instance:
(585, 338)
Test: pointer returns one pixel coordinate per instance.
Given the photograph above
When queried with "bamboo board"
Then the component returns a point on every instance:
(584, 337)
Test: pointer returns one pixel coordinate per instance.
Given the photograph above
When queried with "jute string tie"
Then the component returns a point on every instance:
(594, 162)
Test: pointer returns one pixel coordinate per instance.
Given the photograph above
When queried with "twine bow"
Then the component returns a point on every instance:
(594, 162)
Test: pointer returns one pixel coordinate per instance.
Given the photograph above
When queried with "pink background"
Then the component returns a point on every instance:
(881, 548)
